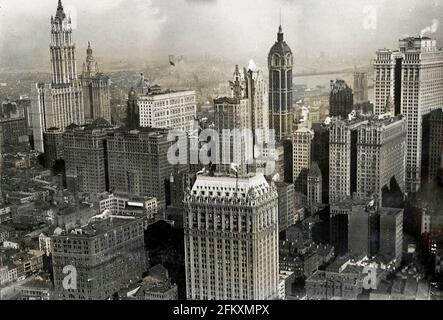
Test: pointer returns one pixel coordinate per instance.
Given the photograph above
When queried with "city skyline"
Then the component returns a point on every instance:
(193, 177)
(249, 26)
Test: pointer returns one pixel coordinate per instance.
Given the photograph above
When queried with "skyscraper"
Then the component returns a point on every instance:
(287, 213)
(232, 115)
(391, 233)
(132, 111)
(85, 155)
(138, 162)
(168, 109)
(341, 100)
(258, 95)
(97, 99)
(413, 75)
(302, 158)
(367, 158)
(320, 154)
(360, 87)
(433, 144)
(381, 160)
(363, 230)
(107, 255)
(280, 64)
(53, 143)
(314, 185)
(60, 103)
(342, 159)
(231, 239)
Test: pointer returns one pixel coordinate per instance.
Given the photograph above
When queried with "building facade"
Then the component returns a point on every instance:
(138, 162)
(302, 158)
(106, 255)
(287, 213)
(85, 155)
(232, 117)
(391, 234)
(168, 109)
(231, 239)
(381, 148)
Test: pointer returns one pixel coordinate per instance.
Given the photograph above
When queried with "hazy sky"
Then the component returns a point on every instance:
(144, 30)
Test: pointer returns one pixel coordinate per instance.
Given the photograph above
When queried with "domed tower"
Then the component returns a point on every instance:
(90, 67)
(132, 114)
(280, 63)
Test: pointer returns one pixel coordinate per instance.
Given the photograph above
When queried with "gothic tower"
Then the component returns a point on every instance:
(60, 103)
(62, 48)
(280, 63)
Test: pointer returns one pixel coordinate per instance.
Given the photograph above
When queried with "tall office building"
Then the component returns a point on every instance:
(231, 239)
(363, 230)
(54, 149)
(132, 111)
(250, 88)
(258, 95)
(391, 233)
(432, 152)
(341, 99)
(85, 156)
(231, 117)
(340, 213)
(320, 154)
(381, 160)
(342, 158)
(138, 162)
(107, 255)
(168, 109)
(314, 185)
(280, 64)
(413, 75)
(360, 87)
(287, 213)
(367, 158)
(387, 68)
(60, 103)
(96, 95)
(302, 158)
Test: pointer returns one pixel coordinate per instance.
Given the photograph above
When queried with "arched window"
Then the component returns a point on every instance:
(276, 60)
(288, 60)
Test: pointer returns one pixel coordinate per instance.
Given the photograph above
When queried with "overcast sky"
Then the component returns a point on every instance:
(146, 30)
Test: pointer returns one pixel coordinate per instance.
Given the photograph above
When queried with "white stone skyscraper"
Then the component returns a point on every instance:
(413, 76)
(231, 239)
(60, 103)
